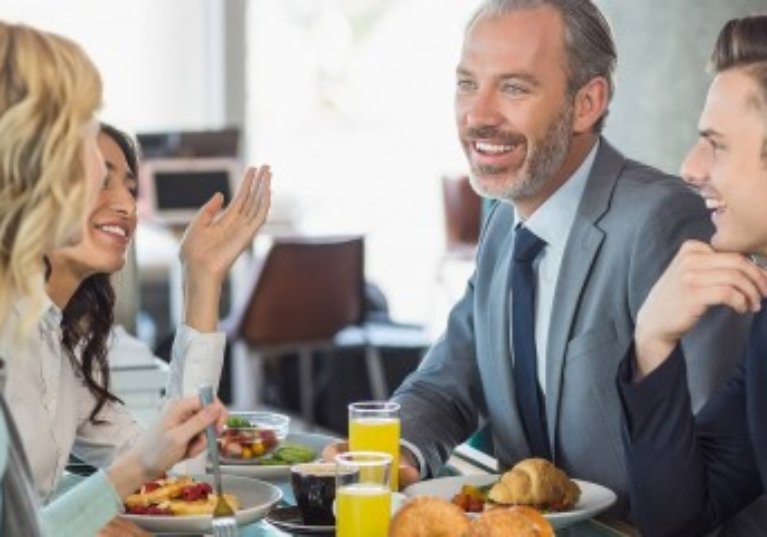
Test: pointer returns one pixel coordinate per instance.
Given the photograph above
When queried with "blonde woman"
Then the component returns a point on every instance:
(50, 169)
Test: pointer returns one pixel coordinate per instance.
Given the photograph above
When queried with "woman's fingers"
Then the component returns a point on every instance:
(248, 200)
(265, 201)
(259, 192)
(239, 203)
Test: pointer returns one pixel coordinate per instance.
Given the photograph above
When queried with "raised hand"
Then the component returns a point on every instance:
(214, 240)
(697, 279)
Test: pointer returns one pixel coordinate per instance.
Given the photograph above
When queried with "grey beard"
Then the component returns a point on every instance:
(543, 163)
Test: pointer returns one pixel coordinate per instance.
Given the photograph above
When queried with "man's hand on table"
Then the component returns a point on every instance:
(408, 469)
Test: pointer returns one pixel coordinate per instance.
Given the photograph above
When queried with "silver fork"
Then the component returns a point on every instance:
(224, 523)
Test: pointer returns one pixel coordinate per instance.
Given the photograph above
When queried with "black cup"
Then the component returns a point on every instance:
(314, 486)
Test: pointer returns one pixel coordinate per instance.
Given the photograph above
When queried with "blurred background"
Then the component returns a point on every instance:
(350, 101)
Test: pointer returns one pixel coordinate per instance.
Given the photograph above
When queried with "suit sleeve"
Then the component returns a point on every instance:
(687, 473)
(441, 401)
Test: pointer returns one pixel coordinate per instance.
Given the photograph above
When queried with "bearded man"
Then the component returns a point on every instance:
(569, 251)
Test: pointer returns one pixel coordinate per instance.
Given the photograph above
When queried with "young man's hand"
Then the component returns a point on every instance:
(697, 279)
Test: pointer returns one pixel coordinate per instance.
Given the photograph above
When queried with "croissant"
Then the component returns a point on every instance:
(536, 482)
(426, 516)
(518, 521)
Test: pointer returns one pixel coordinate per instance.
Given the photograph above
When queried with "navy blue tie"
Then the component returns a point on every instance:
(527, 246)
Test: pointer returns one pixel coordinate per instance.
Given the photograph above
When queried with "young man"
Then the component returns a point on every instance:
(534, 345)
(690, 473)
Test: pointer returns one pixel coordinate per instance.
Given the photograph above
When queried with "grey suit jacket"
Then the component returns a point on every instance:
(629, 225)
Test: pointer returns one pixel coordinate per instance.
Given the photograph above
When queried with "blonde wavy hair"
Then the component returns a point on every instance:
(49, 93)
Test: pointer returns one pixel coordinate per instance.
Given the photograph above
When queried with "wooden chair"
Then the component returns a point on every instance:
(462, 209)
(463, 214)
(308, 290)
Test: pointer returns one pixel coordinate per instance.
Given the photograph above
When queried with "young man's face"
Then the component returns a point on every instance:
(728, 163)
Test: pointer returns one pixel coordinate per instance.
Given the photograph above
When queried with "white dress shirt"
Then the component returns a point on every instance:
(51, 404)
(552, 222)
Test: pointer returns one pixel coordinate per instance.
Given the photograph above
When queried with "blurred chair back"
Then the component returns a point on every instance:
(463, 212)
(462, 209)
(307, 291)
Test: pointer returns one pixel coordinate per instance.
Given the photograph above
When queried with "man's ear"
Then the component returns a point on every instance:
(590, 104)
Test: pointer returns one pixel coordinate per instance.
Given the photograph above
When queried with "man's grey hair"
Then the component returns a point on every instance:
(589, 43)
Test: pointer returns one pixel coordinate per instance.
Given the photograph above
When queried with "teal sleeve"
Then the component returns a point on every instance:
(3, 463)
(83, 510)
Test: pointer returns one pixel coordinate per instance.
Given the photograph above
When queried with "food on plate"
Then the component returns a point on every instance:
(178, 495)
(426, 516)
(518, 521)
(251, 435)
(286, 455)
(290, 454)
(246, 442)
(471, 499)
(537, 483)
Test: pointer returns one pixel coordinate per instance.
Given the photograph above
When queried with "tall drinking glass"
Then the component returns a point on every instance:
(363, 494)
(375, 426)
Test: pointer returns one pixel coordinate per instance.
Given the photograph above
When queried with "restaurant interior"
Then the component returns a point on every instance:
(351, 103)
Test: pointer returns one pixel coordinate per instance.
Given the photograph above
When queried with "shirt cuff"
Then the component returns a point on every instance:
(197, 359)
(419, 460)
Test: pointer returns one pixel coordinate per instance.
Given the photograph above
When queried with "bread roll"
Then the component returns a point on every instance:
(514, 521)
(426, 516)
(538, 483)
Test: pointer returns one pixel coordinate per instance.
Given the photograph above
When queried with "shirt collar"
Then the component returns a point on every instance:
(48, 312)
(552, 220)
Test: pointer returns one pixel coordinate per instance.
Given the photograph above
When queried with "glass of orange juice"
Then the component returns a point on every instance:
(363, 494)
(375, 426)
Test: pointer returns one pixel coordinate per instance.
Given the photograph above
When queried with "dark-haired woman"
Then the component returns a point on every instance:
(58, 385)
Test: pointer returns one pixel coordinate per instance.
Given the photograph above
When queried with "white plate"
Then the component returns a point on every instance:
(315, 441)
(594, 498)
(256, 499)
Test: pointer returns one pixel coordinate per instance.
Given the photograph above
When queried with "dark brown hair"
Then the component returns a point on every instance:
(87, 319)
(742, 44)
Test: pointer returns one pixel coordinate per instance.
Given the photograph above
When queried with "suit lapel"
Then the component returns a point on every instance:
(582, 247)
